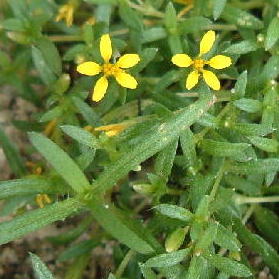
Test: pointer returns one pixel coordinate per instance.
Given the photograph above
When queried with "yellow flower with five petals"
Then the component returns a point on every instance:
(109, 69)
(198, 63)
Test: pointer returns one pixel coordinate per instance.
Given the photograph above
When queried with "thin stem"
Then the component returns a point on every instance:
(248, 214)
(65, 38)
(124, 263)
(217, 181)
(243, 199)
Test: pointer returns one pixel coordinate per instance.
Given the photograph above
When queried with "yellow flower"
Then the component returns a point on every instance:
(113, 129)
(216, 62)
(66, 12)
(41, 199)
(108, 69)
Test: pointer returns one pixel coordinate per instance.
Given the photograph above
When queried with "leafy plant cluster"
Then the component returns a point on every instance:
(185, 181)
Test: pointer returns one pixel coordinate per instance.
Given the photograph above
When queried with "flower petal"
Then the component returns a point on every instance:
(192, 79)
(182, 60)
(220, 62)
(207, 42)
(89, 68)
(105, 47)
(100, 89)
(128, 60)
(211, 80)
(126, 80)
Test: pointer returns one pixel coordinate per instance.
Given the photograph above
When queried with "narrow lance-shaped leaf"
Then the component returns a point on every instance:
(164, 160)
(122, 228)
(40, 269)
(168, 259)
(30, 186)
(36, 219)
(80, 135)
(174, 211)
(228, 266)
(12, 154)
(258, 245)
(61, 161)
(272, 35)
(152, 142)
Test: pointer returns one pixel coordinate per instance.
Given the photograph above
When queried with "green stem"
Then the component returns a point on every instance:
(243, 199)
(124, 263)
(217, 181)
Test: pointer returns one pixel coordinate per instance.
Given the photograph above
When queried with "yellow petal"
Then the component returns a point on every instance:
(181, 60)
(126, 80)
(105, 47)
(128, 60)
(89, 68)
(211, 80)
(192, 79)
(100, 89)
(207, 42)
(220, 62)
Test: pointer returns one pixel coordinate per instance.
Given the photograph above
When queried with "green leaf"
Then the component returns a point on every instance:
(226, 239)
(170, 18)
(241, 18)
(248, 105)
(147, 272)
(206, 238)
(168, 259)
(151, 142)
(218, 7)
(50, 55)
(242, 48)
(268, 145)
(164, 160)
(121, 227)
(72, 234)
(270, 70)
(228, 266)
(240, 86)
(154, 34)
(36, 219)
(196, 267)
(176, 239)
(187, 142)
(130, 17)
(30, 186)
(263, 166)
(252, 129)
(80, 135)
(87, 112)
(47, 76)
(223, 149)
(258, 245)
(146, 56)
(40, 269)
(193, 24)
(12, 154)
(61, 162)
(272, 35)
(174, 211)
(77, 250)
(268, 223)
(13, 24)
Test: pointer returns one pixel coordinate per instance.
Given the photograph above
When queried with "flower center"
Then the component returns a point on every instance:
(110, 69)
(199, 64)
